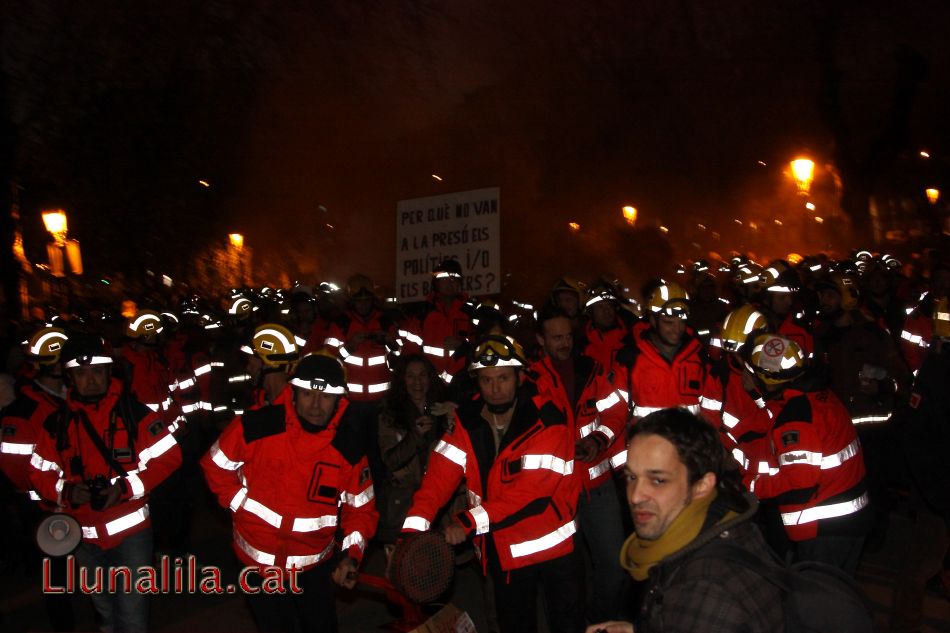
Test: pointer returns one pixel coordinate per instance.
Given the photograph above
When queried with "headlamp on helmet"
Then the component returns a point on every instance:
(83, 350)
(447, 269)
(319, 372)
(498, 351)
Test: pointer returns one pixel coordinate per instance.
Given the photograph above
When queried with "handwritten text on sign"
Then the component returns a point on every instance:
(463, 226)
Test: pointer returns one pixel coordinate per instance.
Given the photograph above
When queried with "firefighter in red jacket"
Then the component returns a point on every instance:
(444, 325)
(665, 364)
(512, 446)
(292, 473)
(598, 416)
(23, 420)
(778, 301)
(730, 402)
(363, 337)
(99, 459)
(149, 377)
(819, 482)
(607, 330)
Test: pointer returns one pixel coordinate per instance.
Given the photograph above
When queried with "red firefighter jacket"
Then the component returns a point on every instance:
(603, 346)
(289, 489)
(150, 378)
(524, 499)
(743, 420)
(796, 330)
(136, 438)
(651, 382)
(427, 333)
(22, 424)
(367, 366)
(599, 410)
(819, 482)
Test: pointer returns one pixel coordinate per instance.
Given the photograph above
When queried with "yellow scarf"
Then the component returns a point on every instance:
(638, 556)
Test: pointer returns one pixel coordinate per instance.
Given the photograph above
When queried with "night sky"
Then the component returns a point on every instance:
(302, 117)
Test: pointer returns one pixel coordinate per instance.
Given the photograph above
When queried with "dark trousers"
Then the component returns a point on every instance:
(314, 607)
(843, 552)
(516, 594)
(600, 518)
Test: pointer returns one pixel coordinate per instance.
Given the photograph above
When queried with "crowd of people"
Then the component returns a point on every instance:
(590, 451)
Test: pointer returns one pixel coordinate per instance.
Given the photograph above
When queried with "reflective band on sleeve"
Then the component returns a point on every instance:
(351, 359)
(222, 460)
(34, 496)
(641, 412)
(378, 387)
(359, 500)
(409, 336)
(256, 555)
(10, 448)
(547, 541)
(41, 464)
(710, 403)
(238, 499)
(138, 488)
(314, 524)
(312, 559)
(548, 462)
(204, 369)
(415, 523)
(605, 403)
(729, 420)
(153, 407)
(914, 339)
(817, 513)
(596, 471)
(607, 432)
(871, 419)
(587, 429)
(791, 458)
(846, 453)
(126, 522)
(451, 453)
(372, 361)
(481, 519)
(354, 538)
(434, 351)
(618, 460)
(263, 512)
(693, 408)
(766, 469)
(157, 449)
(740, 457)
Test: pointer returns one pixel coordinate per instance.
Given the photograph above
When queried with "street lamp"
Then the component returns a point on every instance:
(237, 240)
(803, 171)
(933, 195)
(630, 215)
(55, 222)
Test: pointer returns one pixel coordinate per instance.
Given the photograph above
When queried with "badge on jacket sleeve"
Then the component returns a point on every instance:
(789, 438)
(156, 428)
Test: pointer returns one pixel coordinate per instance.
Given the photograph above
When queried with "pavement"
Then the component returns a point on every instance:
(365, 609)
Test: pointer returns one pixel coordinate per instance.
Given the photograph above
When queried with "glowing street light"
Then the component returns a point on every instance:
(574, 226)
(237, 240)
(55, 222)
(803, 171)
(933, 195)
(630, 215)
